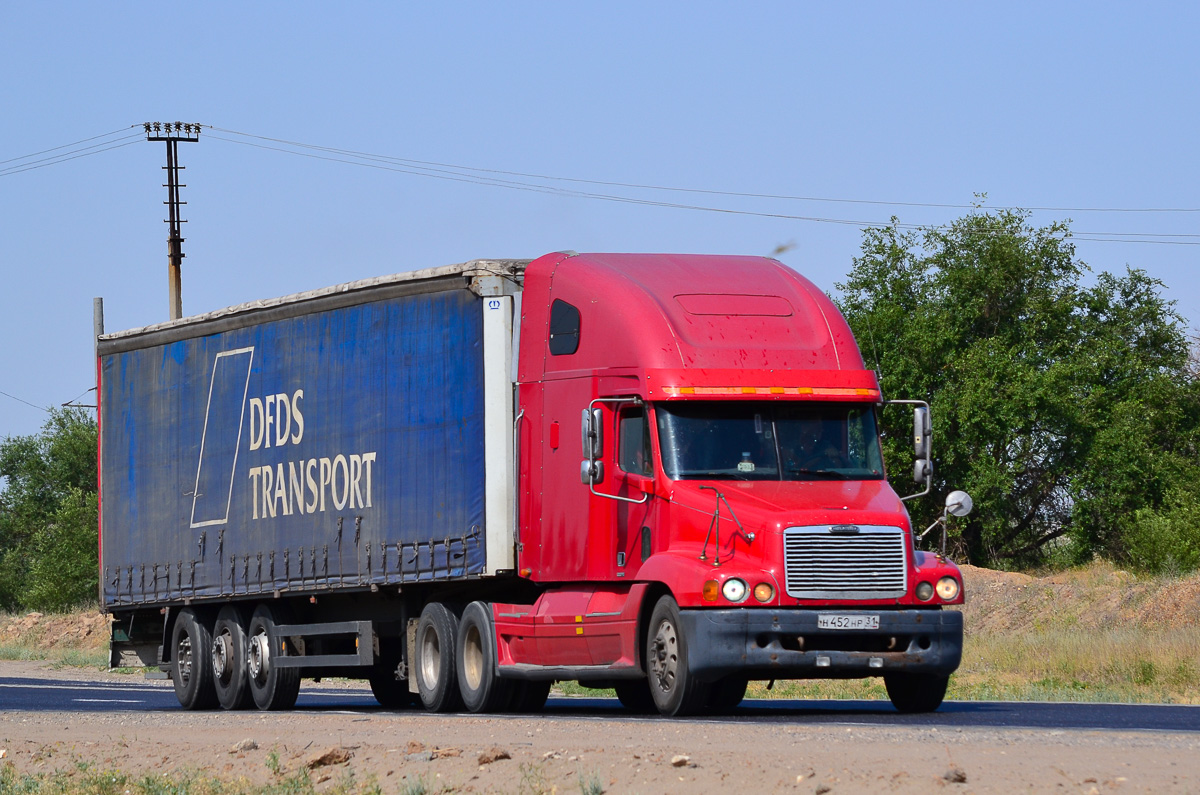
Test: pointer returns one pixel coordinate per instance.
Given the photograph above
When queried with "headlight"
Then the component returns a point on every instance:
(764, 592)
(947, 588)
(734, 589)
(924, 592)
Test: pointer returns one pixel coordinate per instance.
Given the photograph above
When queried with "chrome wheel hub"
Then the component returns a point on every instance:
(664, 656)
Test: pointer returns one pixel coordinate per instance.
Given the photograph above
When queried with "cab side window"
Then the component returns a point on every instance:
(633, 444)
(564, 328)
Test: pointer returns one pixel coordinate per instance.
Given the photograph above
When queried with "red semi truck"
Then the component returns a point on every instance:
(656, 473)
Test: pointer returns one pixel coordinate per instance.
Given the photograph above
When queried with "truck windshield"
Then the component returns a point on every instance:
(709, 440)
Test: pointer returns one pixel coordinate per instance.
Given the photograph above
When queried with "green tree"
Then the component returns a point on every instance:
(48, 515)
(1065, 410)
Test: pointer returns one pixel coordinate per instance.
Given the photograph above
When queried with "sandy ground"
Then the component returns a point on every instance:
(457, 753)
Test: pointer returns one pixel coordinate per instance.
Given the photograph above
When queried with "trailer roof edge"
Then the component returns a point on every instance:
(424, 280)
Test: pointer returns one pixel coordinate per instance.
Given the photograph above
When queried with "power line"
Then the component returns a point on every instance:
(26, 402)
(74, 154)
(64, 146)
(737, 194)
(516, 180)
(444, 172)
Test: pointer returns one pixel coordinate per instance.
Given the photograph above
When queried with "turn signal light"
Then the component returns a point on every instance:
(924, 592)
(947, 588)
(711, 589)
(764, 592)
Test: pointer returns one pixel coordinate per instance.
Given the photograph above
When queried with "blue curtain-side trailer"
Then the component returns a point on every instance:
(271, 469)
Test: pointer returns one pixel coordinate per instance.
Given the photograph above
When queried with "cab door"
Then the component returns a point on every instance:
(633, 479)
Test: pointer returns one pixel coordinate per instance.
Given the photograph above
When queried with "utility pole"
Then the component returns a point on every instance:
(173, 133)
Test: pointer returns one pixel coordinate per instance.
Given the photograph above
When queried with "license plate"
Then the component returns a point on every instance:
(844, 621)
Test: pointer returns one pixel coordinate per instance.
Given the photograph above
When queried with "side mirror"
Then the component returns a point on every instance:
(591, 472)
(959, 503)
(922, 429)
(591, 429)
(922, 470)
(592, 432)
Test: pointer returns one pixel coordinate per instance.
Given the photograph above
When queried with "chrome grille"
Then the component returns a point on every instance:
(868, 564)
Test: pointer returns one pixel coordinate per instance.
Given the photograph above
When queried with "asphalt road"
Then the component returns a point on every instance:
(107, 696)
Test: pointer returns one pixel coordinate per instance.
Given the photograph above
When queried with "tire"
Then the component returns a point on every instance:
(475, 662)
(912, 693)
(672, 686)
(389, 691)
(634, 695)
(231, 680)
(528, 696)
(726, 693)
(272, 687)
(437, 635)
(191, 657)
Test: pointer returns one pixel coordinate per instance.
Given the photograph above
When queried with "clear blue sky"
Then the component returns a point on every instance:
(1038, 105)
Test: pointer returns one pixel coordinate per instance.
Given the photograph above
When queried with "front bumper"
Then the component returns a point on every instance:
(786, 643)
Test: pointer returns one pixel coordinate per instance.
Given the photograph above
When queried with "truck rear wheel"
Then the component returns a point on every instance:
(437, 633)
(230, 677)
(482, 690)
(673, 687)
(272, 687)
(916, 692)
(529, 696)
(389, 691)
(634, 695)
(192, 672)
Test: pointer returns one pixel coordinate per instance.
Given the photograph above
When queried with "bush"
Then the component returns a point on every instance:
(1165, 540)
(48, 515)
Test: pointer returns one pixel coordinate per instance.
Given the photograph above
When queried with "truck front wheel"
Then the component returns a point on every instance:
(673, 687)
(437, 634)
(272, 687)
(726, 693)
(192, 672)
(482, 690)
(916, 692)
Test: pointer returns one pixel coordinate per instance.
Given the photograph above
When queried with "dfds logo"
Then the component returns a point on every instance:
(276, 423)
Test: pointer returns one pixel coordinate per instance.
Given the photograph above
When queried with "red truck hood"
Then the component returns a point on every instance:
(774, 505)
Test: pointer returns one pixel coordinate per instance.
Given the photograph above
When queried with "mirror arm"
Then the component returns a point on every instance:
(637, 401)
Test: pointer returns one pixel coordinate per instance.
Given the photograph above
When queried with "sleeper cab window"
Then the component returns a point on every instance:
(634, 443)
(564, 328)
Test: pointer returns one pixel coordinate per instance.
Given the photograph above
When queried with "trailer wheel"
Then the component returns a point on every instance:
(482, 690)
(726, 693)
(529, 696)
(272, 687)
(916, 692)
(672, 686)
(192, 672)
(634, 695)
(437, 634)
(230, 677)
(389, 691)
